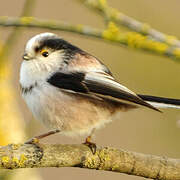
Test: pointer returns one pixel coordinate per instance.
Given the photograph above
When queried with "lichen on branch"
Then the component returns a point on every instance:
(112, 14)
(16, 156)
(112, 34)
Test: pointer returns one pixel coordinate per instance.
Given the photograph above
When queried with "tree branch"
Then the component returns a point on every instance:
(112, 34)
(16, 156)
(118, 17)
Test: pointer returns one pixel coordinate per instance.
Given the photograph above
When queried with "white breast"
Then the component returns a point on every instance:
(71, 113)
(40, 102)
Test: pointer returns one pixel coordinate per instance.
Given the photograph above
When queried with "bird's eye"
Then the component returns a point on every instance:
(44, 53)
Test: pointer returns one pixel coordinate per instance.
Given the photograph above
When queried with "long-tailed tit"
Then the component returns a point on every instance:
(71, 91)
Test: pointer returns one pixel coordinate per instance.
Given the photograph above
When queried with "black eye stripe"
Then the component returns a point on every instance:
(54, 44)
(58, 44)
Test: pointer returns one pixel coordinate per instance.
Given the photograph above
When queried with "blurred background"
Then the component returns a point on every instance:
(140, 130)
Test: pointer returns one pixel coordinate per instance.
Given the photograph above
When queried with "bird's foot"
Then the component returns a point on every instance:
(36, 139)
(90, 144)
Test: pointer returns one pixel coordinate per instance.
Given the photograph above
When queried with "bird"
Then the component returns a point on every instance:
(72, 92)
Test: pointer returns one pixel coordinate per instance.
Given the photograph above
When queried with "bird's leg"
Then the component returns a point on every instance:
(90, 144)
(36, 139)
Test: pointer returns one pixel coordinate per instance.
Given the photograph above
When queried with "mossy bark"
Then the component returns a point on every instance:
(109, 159)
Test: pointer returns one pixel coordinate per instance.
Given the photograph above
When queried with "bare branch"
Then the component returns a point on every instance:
(32, 22)
(16, 156)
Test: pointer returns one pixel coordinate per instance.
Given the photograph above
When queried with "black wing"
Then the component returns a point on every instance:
(69, 81)
(98, 83)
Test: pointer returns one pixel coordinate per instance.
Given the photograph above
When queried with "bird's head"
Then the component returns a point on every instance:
(44, 54)
(44, 47)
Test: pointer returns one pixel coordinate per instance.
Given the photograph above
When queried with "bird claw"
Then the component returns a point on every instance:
(91, 145)
(36, 139)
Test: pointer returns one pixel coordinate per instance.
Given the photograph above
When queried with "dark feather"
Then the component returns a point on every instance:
(27, 90)
(77, 82)
(113, 91)
(59, 44)
(72, 81)
(160, 99)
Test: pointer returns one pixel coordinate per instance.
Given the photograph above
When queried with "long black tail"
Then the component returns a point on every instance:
(161, 102)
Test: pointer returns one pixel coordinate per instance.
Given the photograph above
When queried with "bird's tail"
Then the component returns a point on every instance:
(161, 102)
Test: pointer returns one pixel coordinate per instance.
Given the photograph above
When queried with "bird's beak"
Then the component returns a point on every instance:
(26, 57)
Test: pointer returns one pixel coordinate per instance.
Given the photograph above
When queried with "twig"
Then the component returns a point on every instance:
(16, 156)
(32, 22)
(129, 22)
(112, 33)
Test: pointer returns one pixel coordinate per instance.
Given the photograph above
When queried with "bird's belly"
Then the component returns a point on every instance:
(71, 113)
